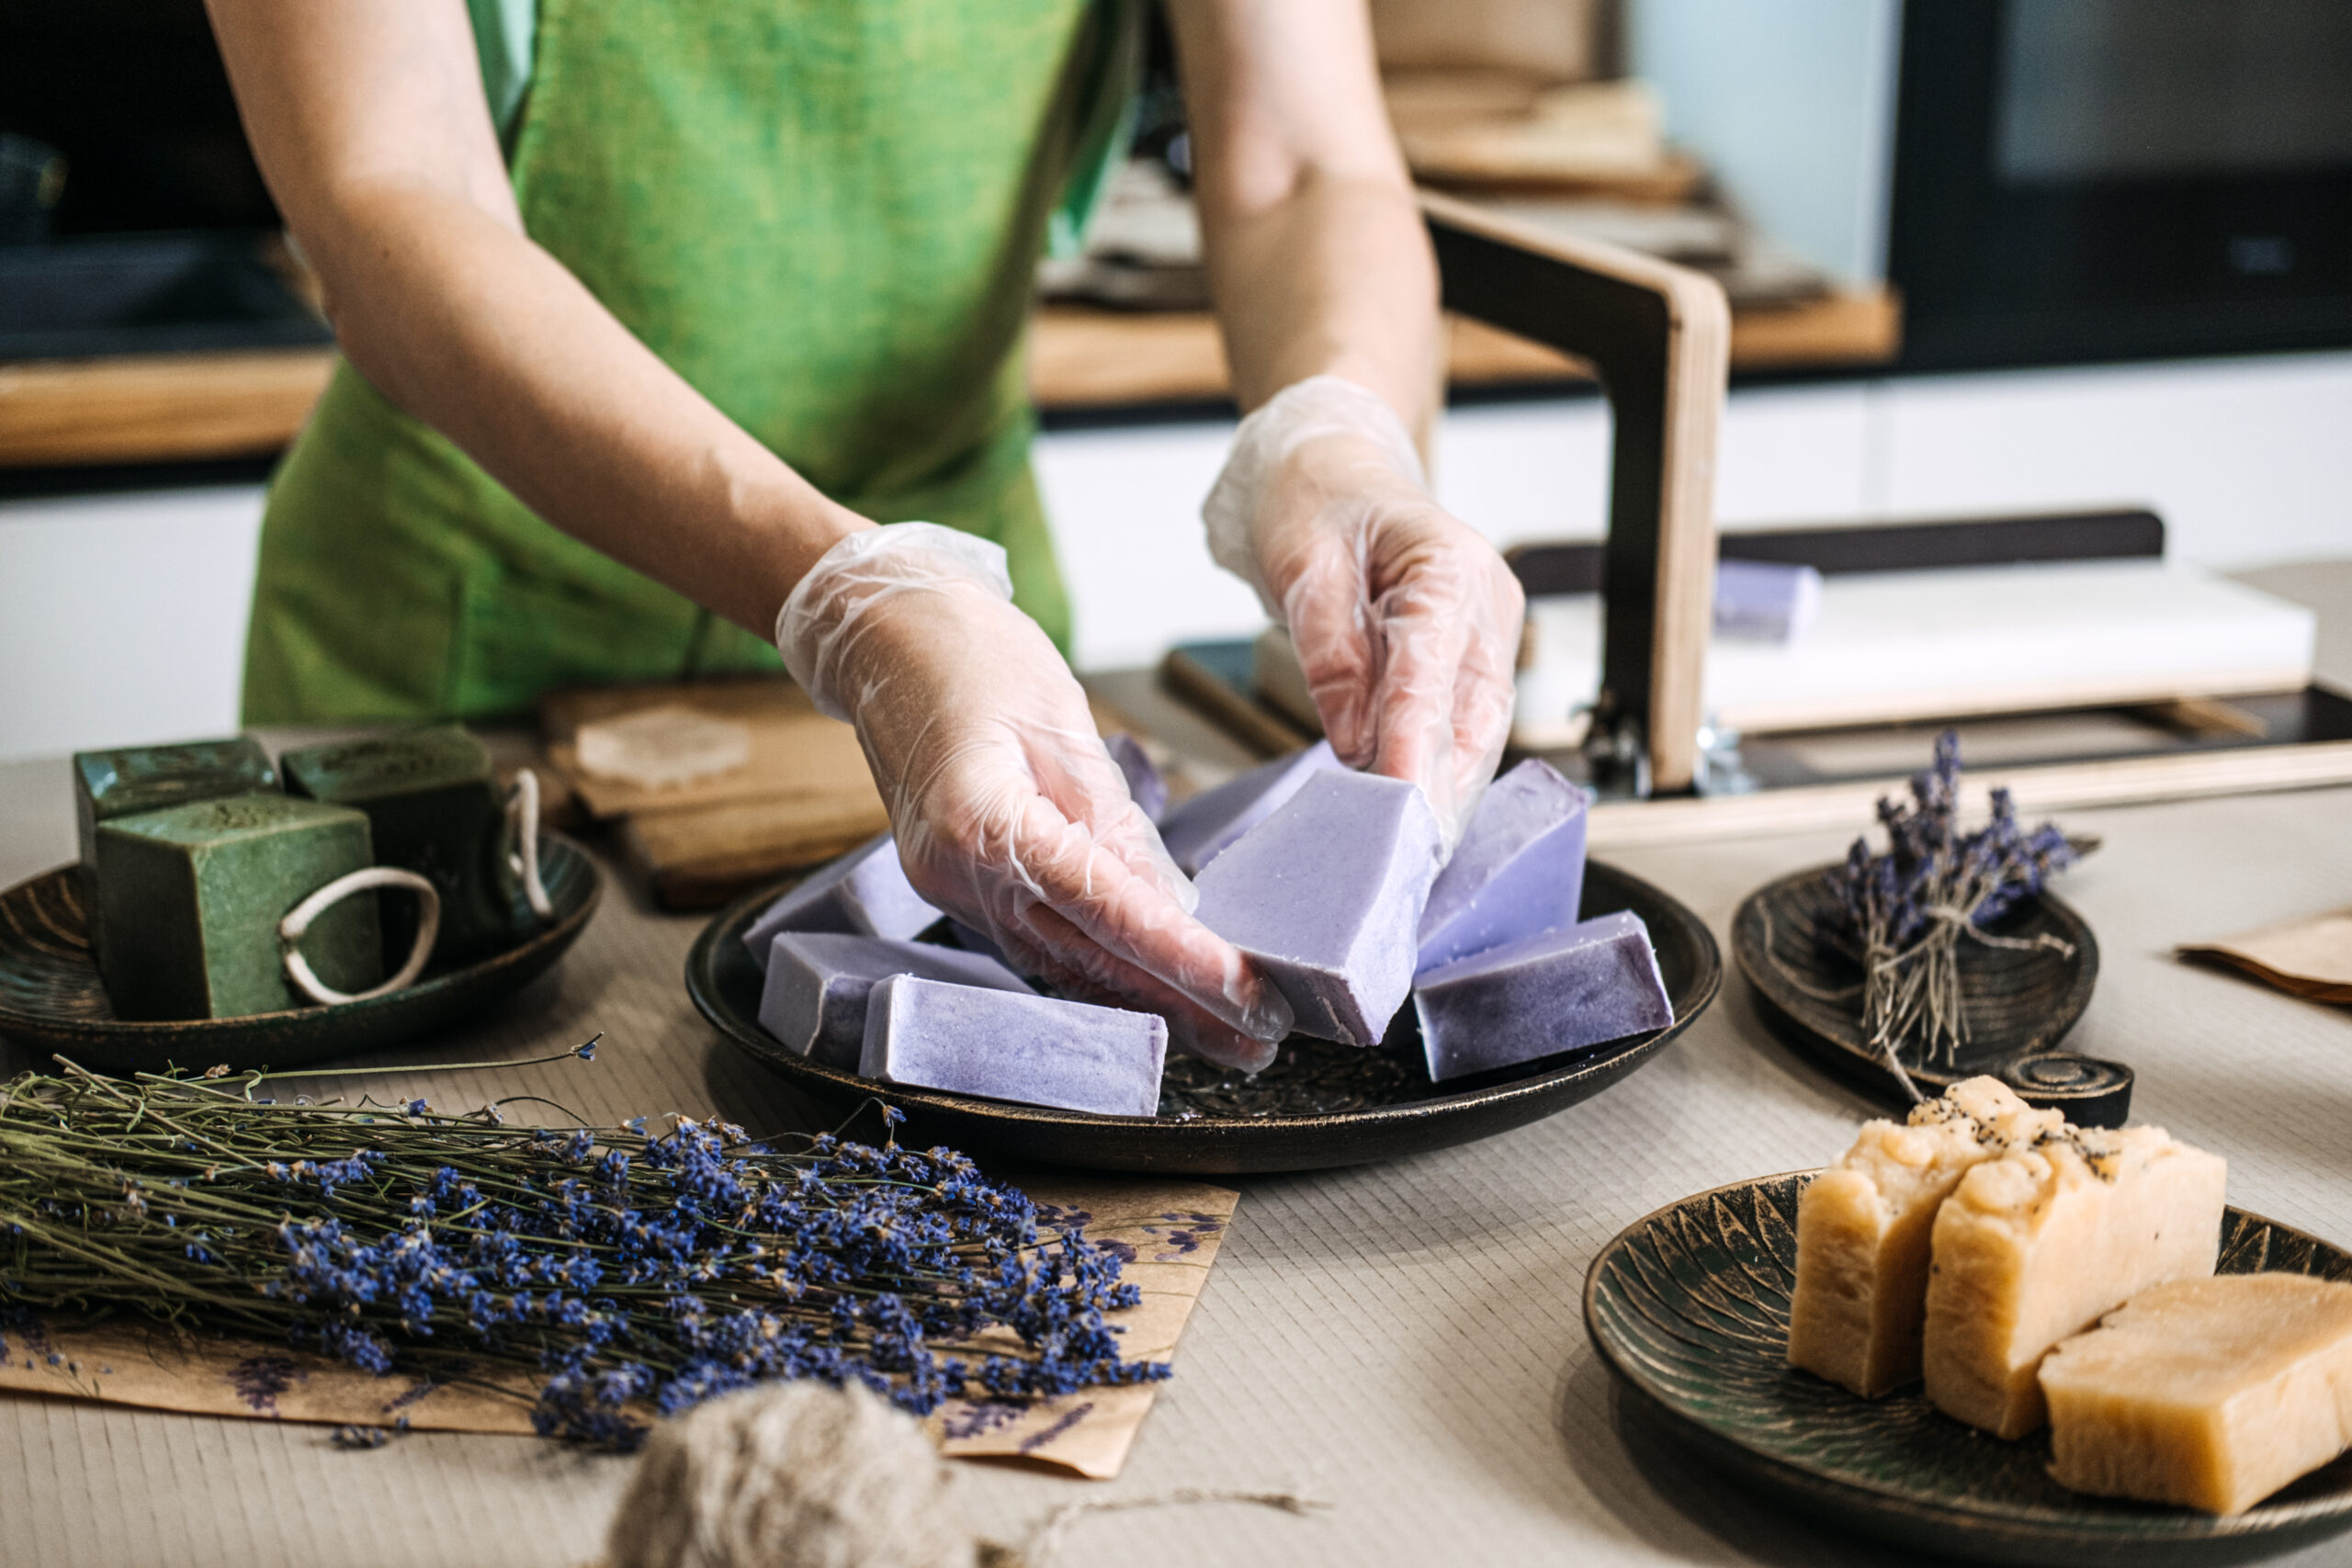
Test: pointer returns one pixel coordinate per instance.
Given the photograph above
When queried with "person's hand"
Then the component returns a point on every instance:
(1007, 811)
(1406, 621)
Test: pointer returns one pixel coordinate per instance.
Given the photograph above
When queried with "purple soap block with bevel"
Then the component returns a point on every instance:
(865, 892)
(1518, 870)
(1764, 601)
(1326, 896)
(1036, 1050)
(818, 982)
(1145, 786)
(1202, 827)
(1560, 991)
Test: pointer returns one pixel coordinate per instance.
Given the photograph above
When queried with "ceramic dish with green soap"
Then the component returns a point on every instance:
(1689, 1309)
(52, 998)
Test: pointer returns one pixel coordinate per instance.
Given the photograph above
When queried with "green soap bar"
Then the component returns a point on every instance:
(107, 784)
(190, 898)
(433, 805)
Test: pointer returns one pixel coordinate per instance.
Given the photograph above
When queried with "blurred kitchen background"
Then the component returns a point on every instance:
(1987, 257)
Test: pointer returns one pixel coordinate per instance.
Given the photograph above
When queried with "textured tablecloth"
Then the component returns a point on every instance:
(1401, 1342)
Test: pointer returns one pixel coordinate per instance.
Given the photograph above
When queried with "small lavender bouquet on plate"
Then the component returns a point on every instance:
(1902, 915)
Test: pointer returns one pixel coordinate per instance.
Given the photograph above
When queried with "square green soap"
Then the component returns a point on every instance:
(190, 898)
(432, 807)
(107, 784)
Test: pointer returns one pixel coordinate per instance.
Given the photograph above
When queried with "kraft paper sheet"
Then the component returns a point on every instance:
(2306, 958)
(1166, 1231)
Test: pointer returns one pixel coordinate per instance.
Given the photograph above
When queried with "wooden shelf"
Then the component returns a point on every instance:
(165, 408)
(158, 408)
(1081, 358)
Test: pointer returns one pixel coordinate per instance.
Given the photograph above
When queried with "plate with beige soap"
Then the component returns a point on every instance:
(227, 908)
(1986, 1334)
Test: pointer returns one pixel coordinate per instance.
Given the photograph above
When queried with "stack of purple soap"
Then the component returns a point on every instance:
(1206, 826)
(1518, 870)
(1005, 1045)
(865, 892)
(1325, 897)
(819, 982)
(1506, 973)
(846, 986)
(1560, 991)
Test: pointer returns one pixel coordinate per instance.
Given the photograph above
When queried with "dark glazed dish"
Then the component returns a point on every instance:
(52, 1000)
(2019, 1004)
(725, 984)
(1690, 1308)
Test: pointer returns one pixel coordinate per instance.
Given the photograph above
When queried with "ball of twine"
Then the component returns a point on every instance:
(791, 1475)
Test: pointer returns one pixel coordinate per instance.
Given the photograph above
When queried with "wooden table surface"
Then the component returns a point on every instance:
(1402, 1341)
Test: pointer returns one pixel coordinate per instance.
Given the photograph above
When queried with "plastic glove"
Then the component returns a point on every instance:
(1406, 621)
(1007, 811)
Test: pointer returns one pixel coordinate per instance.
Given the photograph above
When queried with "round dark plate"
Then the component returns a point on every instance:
(51, 999)
(1690, 1308)
(2019, 1004)
(725, 983)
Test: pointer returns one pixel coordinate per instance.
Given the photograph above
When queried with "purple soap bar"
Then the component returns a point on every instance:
(1765, 601)
(865, 892)
(819, 981)
(1036, 1050)
(1326, 896)
(1145, 786)
(1519, 869)
(973, 940)
(1560, 991)
(1204, 827)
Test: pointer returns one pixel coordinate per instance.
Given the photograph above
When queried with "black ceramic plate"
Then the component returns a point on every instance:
(725, 983)
(1690, 1308)
(2019, 1004)
(51, 1000)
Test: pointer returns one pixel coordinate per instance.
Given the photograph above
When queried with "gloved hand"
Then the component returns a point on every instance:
(1406, 621)
(1007, 811)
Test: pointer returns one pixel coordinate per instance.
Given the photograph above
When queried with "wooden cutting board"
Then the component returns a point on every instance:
(795, 751)
(804, 796)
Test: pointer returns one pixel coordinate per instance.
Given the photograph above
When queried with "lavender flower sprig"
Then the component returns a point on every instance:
(1901, 914)
(629, 1270)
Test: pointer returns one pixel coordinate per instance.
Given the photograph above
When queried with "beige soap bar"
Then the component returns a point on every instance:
(2035, 1246)
(2207, 1393)
(1863, 1226)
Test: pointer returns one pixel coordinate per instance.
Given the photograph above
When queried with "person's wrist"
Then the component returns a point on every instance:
(853, 586)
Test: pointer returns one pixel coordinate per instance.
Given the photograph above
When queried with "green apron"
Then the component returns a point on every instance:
(826, 216)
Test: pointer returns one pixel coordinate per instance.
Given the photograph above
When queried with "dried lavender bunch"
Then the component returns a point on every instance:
(629, 1269)
(1901, 914)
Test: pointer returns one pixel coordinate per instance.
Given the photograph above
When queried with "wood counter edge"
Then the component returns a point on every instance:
(1085, 357)
(162, 408)
(157, 408)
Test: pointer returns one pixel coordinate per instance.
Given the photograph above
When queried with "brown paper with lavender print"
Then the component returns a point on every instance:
(1166, 1233)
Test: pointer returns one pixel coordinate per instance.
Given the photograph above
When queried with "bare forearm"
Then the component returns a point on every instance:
(1335, 279)
(1316, 252)
(469, 326)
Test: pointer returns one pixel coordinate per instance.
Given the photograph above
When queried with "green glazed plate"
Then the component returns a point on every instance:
(1689, 1307)
(51, 1001)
